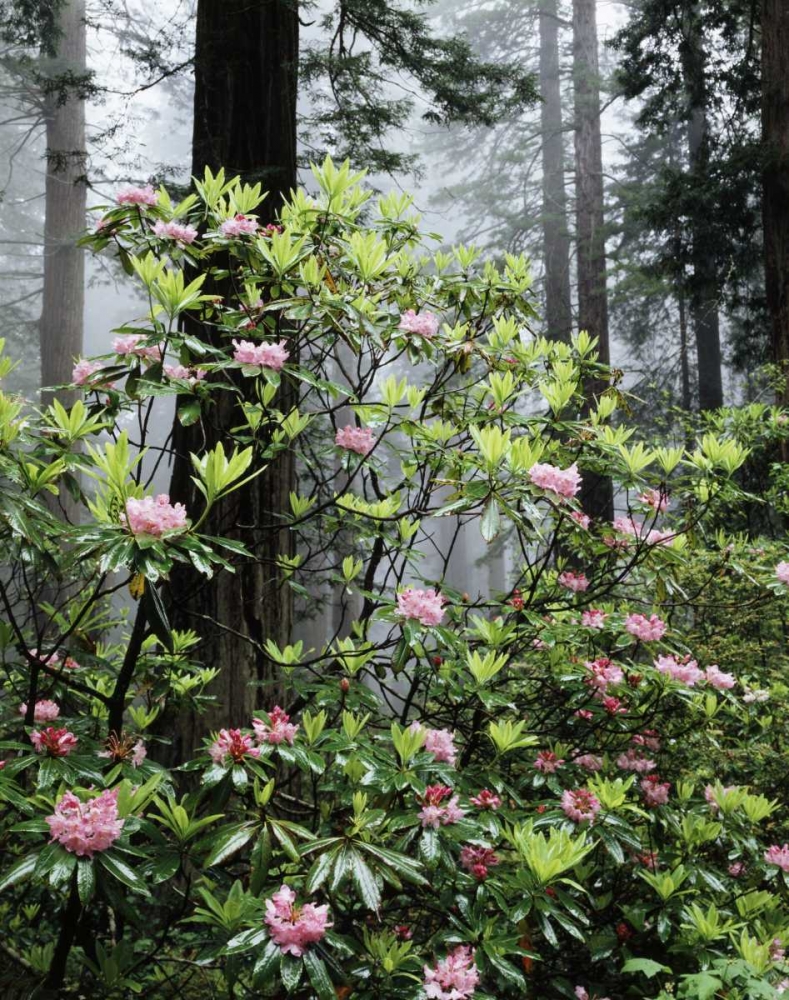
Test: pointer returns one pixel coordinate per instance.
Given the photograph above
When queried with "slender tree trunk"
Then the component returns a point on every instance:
(704, 287)
(775, 177)
(63, 306)
(556, 237)
(245, 120)
(597, 491)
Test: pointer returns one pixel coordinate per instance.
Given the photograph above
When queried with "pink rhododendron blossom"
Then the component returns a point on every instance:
(86, 827)
(589, 762)
(777, 951)
(782, 572)
(548, 762)
(614, 706)
(775, 855)
(581, 519)
(439, 742)
(190, 375)
(649, 739)
(137, 196)
(231, 746)
(656, 499)
(581, 993)
(454, 977)
(477, 860)
(358, 439)
(276, 728)
(55, 742)
(83, 370)
(593, 618)
(580, 805)
(562, 482)
(583, 713)
(51, 659)
(646, 629)
(240, 225)
(425, 323)
(174, 231)
(655, 791)
(736, 869)
(139, 753)
(45, 711)
(577, 582)
(425, 606)
(153, 516)
(131, 344)
(486, 800)
(603, 672)
(264, 355)
(435, 811)
(629, 526)
(684, 670)
(293, 927)
(634, 760)
(718, 679)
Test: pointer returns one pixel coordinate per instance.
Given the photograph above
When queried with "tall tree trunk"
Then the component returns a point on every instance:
(704, 288)
(63, 305)
(245, 120)
(597, 491)
(775, 177)
(556, 237)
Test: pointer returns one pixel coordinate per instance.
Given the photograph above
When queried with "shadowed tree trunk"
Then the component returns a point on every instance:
(556, 237)
(775, 177)
(245, 120)
(596, 492)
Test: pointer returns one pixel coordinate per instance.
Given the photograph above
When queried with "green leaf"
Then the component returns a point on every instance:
(429, 847)
(320, 871)
(267, 964)
(21, 870)
(319, 976)
(290, 972)
(157, 616)
(61, 871)
(649, 967)
(164, 867)
(189, 412)
(123, 873)
(86, 880)
(490, 523)
(226, 844)
(247, 940)
(364, 880)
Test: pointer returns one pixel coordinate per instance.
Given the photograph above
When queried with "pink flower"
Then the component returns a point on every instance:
(425, 606)
(589, 762)
(581, 519)
(55, 742)
(435, 812)
(137, 196)
(629, 526)
(562, 482)
(154, 516)
(613, 706)
(174, 231)
(777, 952)
(718, 679)
(736, 869)
(358, 439)
(425, 324)
(51, 659)
(477, 860)
(593, 618)
(85, 827)
(232, 744)
(439, 742)
(684, 670)
(656, 499)
(782, 572)
(776, 855)
(276, 729)
(45, 711)
(573, 581)
(634, 760)
(580, 805)
(646, 629)
(240, 225)
(292, 927)
(130, 344)
(649, 739)
(83, 370)
(581, 993)
(486, 800)
(603, 672)
(655, 791)
(583, 713)
(454, 977)
(139, 753)
(264, 355)
(710, 796)
(190, 375)
(548, 762)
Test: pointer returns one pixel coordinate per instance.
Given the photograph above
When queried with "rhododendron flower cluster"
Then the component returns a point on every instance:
(137, 196)
(425, 323)
(190, 375)
(83, 370)
(293, 927)
(454, 977)
(132, 344)
(634, 760)
(577, 582)
(44, 711)
(436, 811)
(655, 791)
(424, 606)
(563, 482)
(649, 739)
(439, 742)
(264, 355)
(782, 572)
(603, 672)
(358, 439)
(716, 678)
(233, 745)
(593, 618)
(486, 800)
(775, 855)
(154, 515)
(656, 499)
(580, 805)
(589, 762)
(652, 536)
(121, 748)
(548, 762)
(275, 728)
(477, 860)
(174, 231)
(86, 827)
(581, 519)
(239, 225)
(685, 670)
(55, 742)
(646, 629)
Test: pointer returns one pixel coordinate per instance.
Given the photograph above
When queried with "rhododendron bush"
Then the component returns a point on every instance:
(544, 792)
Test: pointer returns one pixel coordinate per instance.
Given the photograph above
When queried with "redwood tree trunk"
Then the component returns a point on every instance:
(245, 120)
(597, 492)
(775, 178)
(556, 237)
(63, 305)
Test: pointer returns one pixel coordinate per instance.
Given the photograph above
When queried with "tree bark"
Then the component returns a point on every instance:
(775, 178)
(597, 490)
(704, 287)
(556, 236)
(63, 305)
(245, 120)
